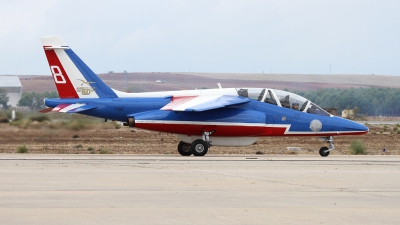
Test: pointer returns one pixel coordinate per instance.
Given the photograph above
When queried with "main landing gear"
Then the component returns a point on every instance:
(324, 151)
(198, 147)
(184, 149)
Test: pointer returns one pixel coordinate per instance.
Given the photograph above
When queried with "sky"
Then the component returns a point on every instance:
(217, 36)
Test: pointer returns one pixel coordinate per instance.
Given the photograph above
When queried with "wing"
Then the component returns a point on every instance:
(68, 108)
(203, 103)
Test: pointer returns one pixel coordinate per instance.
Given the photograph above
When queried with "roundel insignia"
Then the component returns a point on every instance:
(315, 125)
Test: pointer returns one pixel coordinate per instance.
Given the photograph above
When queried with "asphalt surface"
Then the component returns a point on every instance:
(169, 189)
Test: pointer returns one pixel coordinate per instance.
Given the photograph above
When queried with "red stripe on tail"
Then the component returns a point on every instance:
(63, 83)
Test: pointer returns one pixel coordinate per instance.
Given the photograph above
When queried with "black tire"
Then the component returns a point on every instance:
(184, 149)
(199, 147)
(322, 151)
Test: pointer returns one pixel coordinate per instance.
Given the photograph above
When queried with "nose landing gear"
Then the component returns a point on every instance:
(324, 151)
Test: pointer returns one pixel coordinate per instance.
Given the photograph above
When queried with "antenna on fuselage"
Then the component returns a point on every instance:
(126, 80)
(219, 85)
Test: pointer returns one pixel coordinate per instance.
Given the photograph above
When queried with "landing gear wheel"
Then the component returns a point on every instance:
(184, 149)
(199, 147)
(322, 151)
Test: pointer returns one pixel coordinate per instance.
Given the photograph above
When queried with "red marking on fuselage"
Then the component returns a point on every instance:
(197, 129)
(231, 130)
(65, 90)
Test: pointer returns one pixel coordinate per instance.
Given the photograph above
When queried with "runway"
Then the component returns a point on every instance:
(394, 122)
(170, 189)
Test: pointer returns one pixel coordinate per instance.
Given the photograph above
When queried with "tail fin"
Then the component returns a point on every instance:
(73, 78)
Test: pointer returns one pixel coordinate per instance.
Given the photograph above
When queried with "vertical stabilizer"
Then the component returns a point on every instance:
(73, 78)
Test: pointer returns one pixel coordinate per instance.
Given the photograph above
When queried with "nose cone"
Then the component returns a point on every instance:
(360, 127)
(350, 127)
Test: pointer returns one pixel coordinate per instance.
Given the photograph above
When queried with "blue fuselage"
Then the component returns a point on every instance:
(251, 119)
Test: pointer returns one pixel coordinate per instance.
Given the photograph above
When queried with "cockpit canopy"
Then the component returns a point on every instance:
(282, 99)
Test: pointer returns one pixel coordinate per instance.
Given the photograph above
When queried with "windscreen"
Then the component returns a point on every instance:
(290, 100)
(315, 109)
(253, 93)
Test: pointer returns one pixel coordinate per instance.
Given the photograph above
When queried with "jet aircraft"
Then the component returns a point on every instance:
(200, 118)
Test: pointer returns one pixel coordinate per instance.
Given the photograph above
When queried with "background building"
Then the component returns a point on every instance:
(13, 87)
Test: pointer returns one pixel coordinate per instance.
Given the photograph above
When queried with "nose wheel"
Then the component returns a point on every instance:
(324, 151)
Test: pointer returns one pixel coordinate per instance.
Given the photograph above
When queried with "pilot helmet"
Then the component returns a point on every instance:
(295, 104)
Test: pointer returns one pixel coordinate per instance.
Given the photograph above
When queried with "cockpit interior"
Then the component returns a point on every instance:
(282, 99)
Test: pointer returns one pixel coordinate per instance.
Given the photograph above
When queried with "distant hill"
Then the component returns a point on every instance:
(180, 81)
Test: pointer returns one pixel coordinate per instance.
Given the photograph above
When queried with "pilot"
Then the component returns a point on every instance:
(295, 105)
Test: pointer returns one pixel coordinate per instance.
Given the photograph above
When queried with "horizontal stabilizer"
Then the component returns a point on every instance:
(203, 103)
(46, 110)
(81, 109)
(72, 108)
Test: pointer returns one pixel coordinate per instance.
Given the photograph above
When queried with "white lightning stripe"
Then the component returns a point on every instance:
(73, 106)
(196, 101)
(56, 109)
(201, 123)
(322, 132)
